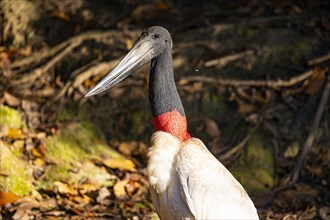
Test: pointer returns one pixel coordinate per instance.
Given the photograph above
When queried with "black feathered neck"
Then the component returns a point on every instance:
(163, 94)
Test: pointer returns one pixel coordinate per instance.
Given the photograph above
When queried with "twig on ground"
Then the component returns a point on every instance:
(29, 78)
(222, 61)
(62, 92)
(40, 55)
(240, 145)
(319, 60)
(293, 177)
(102, 67)
(84, 67)
(275, 84)
(269, 20)
(96, 35)
(45, 92)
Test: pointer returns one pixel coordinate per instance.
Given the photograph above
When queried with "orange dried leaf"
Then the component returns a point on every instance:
(103, 193)
(82, 199)
(64, 188)
(41, 135)
(316, 81)
(162, 6)
(88, 187)
(11, 100)
(15, 133)
(127, 148)
(292, 151)
(27, 51)
(246, 108)
(145, 12)
(39, 162)
(19, 144)
(60, 15)
(88, 83)
(132, 187)
(128, 43)
(7, 197)
(24, 207)
(119, 188)
(4, 60)
(123, 164)
(211, 128)
(36, 153)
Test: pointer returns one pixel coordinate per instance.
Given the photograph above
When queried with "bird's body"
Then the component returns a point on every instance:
(186, 180)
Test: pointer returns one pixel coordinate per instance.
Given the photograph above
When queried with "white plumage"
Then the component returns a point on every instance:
(188, 182)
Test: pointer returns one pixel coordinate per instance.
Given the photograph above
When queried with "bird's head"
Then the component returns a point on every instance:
(157, 37)
(152, 42)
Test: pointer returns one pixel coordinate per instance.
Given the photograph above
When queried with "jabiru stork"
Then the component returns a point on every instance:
(186, 180)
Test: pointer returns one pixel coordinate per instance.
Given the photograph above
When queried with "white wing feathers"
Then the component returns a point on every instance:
(162, 156)
(193, 184)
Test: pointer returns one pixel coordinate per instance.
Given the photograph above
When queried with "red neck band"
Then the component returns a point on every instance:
(172, 122)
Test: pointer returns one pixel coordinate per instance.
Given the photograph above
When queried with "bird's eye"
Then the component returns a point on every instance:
(155, 36)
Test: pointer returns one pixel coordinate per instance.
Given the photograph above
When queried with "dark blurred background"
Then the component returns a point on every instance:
(251, 75)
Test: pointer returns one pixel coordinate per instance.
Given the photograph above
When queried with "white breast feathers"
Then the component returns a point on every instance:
(188, 182)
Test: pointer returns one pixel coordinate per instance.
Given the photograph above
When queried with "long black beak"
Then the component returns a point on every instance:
(141, 53)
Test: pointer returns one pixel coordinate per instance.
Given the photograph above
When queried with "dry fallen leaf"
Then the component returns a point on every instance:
(316, 81)
(149, 12)
(82, 199)
(119, 189)
(103, 193)
(183, 81)
(7, 197)
(19, 144)
(324, 213)
(211, 128)
(309, 214)
(132, 187)
(64, 188)
(54, 214)
(26, 51)
(39, 151)
(39, 162)
(244, 108)
(4, 59)
(290, 217)
(14, 133)
(88, 187)
(88, 83)
(123, 164)
(128, 43)
(130, 148)
(60, 15)
(24, 207)
(11, 100)
(292, 150)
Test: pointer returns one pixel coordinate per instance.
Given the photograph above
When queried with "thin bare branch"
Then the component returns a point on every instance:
(40, 55)
(319, 60)
(29, 78)
(222, 61)
(241, 144)
(311, 136)
(275, 84)
(102, 67)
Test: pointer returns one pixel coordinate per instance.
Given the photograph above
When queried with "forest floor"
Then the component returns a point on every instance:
(253, 77)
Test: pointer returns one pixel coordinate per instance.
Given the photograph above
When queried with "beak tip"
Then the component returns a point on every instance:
(90, 93)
